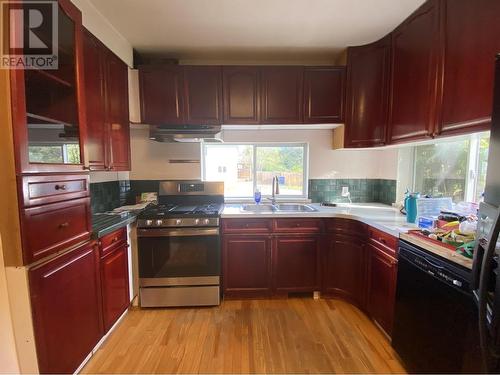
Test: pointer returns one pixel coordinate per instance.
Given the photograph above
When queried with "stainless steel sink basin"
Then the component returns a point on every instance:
(295, 208)
(258, 207)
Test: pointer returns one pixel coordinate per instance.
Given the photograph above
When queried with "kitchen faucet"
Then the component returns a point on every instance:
(275, 190)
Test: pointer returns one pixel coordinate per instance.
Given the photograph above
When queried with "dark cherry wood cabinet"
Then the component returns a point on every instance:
(115, 284)
(246, 266)
(344, 272)
(108, 130)
(415, 74)
(324, 89)
(468, 67)
(296, 263)
(241, 92)
(162, 94)
(382, 273)
(66, 304)
(368, 69)
(203, 95)
(282, 94)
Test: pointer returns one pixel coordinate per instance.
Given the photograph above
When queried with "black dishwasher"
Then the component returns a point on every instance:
(435, 321)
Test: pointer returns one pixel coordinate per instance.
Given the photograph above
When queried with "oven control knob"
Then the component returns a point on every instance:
(206, 221)
(159, 222)
(149, 223)
(178, 222)
(196, 221)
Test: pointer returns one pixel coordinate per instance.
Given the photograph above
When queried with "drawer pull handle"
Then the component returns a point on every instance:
(114, 239)
(60, 187)
(382, 240)
(64, 225)
(247, 225)
(297, 225)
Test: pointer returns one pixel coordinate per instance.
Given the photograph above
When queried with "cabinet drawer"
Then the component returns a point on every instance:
(246, 225)
(38, 190)
(110, 241)
(297, 225)
(384, 240)
(54, 227)
(346, 226)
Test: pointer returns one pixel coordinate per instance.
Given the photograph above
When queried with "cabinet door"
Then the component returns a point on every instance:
(115, 293)
(381, 287)
(161, 94)
(367, 94)
(117, 113)
(324, 89)
(241, 94)
(282, 94)
(65, 299)
(345, 268)
(246, 263)
(203, 95)
(415, 57)
(296, 264)
(96, 147)
(469, 50)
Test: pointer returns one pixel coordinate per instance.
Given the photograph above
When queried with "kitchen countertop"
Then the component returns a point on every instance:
(383, 217)
(105, 223)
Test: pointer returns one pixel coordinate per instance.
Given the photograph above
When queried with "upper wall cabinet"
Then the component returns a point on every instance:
(471, 42)
(106, 86)
(161, 94)
(241, 94)
(282, 94)
(48, 105)
(415, 57)
(203, 94)
(324, 89)
(368, 70)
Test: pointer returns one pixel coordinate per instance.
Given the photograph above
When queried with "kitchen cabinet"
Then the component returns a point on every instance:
(106, 83)
(246, 265)
(296, 263)
(161, 94)
(48, 106)
(282, 94)
(468, 67)
(382, 272)
(415, 68)
(324, 89)
(66, 305)
(203, 95)
(368, 69)
(241, 91)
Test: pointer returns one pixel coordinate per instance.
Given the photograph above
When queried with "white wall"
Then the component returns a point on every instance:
(150, 159)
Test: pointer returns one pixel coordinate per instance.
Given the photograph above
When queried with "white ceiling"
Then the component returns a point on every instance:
(252, 29)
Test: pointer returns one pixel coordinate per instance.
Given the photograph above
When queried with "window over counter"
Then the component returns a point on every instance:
(455, 168)
(247, 167)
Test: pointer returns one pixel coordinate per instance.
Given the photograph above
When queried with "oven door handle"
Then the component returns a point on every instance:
(177, 232)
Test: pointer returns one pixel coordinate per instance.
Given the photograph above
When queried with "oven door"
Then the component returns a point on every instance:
(180, 256)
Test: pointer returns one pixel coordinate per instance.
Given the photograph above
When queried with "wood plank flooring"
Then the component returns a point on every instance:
(298, 335)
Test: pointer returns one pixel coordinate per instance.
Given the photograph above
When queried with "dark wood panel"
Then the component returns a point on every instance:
(469, 57)
(54, 227)
(299, 225)
(246, 264)
(203, 95)
(246, 225)
(241, 91)
(296, 264)
(385, 241)
(415, 57)
(324, 89)
(114, 278)
(368, 69)
(65, 299)
(161, 94)
(282, 94)
(37, 190)
(381, 287)
(347, 227)
(111, 240)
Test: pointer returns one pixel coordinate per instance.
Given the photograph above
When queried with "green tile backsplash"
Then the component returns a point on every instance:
(362, 190)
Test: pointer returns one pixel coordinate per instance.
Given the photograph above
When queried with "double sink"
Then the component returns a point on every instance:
(283, 207)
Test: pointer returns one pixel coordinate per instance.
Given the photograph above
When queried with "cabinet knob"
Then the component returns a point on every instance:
(297, 225)
(60, 187)
(114, 239)
(64, 225)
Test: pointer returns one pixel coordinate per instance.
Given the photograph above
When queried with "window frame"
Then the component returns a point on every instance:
(255, 145)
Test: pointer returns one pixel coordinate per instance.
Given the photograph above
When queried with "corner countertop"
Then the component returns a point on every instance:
(105, 223)
(383, 217)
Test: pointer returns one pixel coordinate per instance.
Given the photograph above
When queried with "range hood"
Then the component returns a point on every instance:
(184, 133)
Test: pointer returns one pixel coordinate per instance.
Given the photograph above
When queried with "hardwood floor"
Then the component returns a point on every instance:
(260, 336)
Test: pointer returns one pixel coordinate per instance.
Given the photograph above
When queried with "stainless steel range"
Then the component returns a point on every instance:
(179, 245)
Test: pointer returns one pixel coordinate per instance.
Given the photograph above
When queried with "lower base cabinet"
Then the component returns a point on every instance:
(66, 305)
(115, 284)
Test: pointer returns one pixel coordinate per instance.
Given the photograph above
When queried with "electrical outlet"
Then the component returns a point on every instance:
(345, 191)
